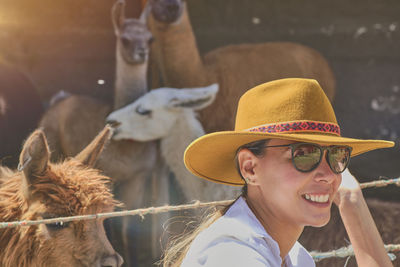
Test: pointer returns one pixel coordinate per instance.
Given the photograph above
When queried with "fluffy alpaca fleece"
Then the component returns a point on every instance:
(46, 190)
(65, 189)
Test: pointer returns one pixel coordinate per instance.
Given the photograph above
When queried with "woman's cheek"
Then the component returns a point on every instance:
(338, 181)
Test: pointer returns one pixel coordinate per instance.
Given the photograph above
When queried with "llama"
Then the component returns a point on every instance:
(40, 189)
(132, 52)
(72, 122)
(235, 68)
(169, 115)
(20, 111)
(85, 115)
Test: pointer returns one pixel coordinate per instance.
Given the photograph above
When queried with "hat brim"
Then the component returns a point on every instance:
(212, 156)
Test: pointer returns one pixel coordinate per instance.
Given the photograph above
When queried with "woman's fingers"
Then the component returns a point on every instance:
(347, 188)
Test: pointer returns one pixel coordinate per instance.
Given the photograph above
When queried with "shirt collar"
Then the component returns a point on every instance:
(251, 225)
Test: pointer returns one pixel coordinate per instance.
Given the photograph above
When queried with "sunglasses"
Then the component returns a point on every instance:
(306, 157)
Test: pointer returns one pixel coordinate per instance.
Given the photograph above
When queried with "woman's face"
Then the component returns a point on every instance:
(293, 196)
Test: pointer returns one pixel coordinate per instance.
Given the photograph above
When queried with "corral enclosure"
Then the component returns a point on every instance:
(70, 45)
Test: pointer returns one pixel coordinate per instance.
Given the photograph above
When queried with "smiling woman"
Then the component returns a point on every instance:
(289, 156)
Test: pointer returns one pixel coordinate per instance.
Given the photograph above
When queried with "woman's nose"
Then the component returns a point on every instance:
(324, 172)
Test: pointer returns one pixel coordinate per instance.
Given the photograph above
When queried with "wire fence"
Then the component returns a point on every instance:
(140, 212)
(342, 252)
(156, 210)
(348, 251)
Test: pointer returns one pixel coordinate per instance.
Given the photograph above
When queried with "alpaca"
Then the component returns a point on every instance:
(169, 115)
(71, 123)
(40, 189)
(235, 68)
(20, 111)
(69, 126)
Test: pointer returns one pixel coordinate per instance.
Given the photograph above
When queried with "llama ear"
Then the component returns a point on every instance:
(118, 16)
(195, 98)
(34, 158)
(145, 12)
(90, 154)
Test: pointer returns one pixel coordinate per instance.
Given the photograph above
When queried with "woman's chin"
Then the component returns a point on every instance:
(320, 221)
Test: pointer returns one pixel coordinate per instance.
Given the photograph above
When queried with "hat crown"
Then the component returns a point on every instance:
(285, 100)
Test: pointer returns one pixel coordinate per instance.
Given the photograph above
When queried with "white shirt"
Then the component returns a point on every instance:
(238, 239)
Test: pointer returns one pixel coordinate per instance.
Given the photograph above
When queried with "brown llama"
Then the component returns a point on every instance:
(235, 68)
(20, 111)
(71, 123)
(40, 190)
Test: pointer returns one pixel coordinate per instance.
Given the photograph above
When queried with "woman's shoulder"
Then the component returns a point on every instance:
(238, 239)
(224, 250)
(233, 240)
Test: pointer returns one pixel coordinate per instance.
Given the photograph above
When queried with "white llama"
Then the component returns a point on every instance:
(169, 115)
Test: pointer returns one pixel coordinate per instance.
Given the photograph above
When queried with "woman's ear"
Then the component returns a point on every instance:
(247, 162)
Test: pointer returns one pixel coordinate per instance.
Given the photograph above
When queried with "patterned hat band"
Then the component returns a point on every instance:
(298, 126)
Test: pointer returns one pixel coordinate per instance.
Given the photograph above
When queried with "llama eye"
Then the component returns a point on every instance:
(125, 41)
(142, 111)
(57, 225)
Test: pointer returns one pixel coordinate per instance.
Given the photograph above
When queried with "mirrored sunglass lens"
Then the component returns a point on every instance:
(338, 157)
(306, 156)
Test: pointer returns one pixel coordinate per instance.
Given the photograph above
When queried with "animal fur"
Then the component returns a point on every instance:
(45, 189)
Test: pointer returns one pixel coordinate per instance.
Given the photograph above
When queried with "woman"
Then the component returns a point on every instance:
(287, 151)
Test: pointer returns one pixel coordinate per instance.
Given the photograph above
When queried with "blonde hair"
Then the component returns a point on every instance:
(178, 247)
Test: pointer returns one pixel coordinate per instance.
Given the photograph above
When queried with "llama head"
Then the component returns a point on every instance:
(167, 11)
(153, 115)
(68, 188)
(133, 36)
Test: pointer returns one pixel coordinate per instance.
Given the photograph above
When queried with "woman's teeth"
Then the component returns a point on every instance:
(317, 198)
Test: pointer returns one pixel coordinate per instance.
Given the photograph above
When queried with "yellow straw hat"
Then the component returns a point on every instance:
(290, 109)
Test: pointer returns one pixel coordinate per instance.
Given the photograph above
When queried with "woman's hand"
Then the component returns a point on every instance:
(349, 190)
(360, 226)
